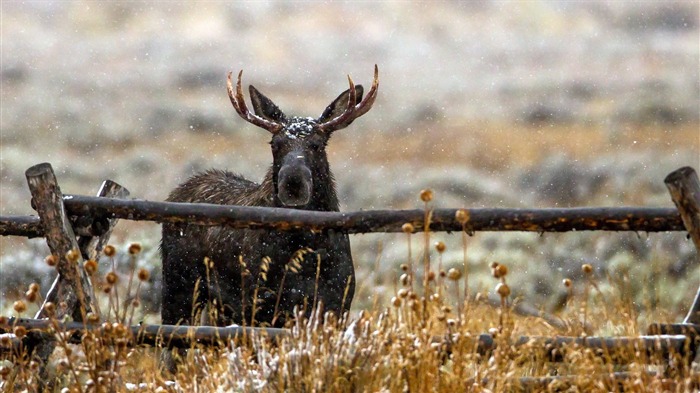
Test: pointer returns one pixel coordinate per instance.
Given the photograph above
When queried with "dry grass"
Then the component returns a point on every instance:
(395, 347)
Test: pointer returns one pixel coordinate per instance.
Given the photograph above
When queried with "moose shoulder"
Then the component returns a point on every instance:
(258, 277)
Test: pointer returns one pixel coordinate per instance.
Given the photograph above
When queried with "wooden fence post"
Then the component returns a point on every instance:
(684, 186)
(91, 246)
(72, 291)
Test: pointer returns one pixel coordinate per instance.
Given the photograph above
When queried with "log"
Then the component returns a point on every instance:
(684, 186)
(620, 350)
(72, 286)
(443, 220)
(26, 226)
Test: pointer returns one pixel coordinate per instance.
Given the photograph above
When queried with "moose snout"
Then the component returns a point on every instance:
(295, 185)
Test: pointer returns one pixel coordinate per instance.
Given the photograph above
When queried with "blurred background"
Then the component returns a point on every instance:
(487, 103)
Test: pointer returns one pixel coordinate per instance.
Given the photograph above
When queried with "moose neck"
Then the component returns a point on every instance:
(323, 195)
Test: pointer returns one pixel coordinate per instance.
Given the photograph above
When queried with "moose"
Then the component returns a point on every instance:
(221, 275)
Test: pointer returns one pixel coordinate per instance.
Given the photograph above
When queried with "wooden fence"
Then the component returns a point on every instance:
(74, 222)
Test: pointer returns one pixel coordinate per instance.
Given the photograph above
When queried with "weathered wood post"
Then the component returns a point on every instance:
(72, 291)
(684, 186)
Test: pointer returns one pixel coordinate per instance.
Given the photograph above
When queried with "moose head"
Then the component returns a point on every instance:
(300, 171)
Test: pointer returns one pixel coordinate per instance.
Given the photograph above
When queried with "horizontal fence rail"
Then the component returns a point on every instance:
(656, 348)
(441, 220)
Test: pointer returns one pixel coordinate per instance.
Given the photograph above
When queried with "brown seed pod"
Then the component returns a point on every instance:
(34, 287)
(403, 292)
(503, 289)
(51, 260)
(30, 296)
(19, 306)
(440, 247)
(73, 255)
(587, 268)
(50, 308)
(431, 276)
(93, 318)
(119, 329)
(454, 274)
(404, 267)
(109, 250)
(111, 278)
(426, 195)
(462, 216)
(502, 270)
(404, 279)
(90, 266)
(107, 327)
(134, 248)
(407, 228)
(567, 282)
(395, 301)
(144, 274)
(20, 331)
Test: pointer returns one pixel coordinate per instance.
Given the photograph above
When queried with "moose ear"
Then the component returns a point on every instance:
(338, 106)
(265, 108)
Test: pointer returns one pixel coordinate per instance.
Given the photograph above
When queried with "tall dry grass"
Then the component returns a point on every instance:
(423, 339)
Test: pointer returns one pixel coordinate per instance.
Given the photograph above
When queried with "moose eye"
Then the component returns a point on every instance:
(276, 144)
(316, 145)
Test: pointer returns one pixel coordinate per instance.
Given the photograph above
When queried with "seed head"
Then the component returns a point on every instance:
(404, 267)
(426, 195)
(34, 287)
(51, 260)
(440, 247)
(499, 271)
(407, 228)
(90, 266)
(50, 308)
(134, 248)
(119, 329)
(462, 216)
(93, 318)
(454, 274)
(73, 255)
(109, 250)
(111, 278)
(20, 306)
(431, 276)
(503, 289)
(5, 341)
(403, 292)
(143, 274)
(20, 331)
(395, 301)
(30, 296)
(566, 282)
(587, 268)
(404, 279)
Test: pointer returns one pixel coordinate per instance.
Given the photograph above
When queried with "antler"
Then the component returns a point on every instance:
(353, 111)
(240, 106)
